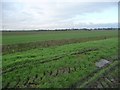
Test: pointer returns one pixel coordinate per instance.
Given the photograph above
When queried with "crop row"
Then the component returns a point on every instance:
(93, 77)
(106, 78)
(24, 37)
(111, 80)
(103, 72)
(75, 64)
(38, 78)
(56, 52)
(46, 60)
(7, 49)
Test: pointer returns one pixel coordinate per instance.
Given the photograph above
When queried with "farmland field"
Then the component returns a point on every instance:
(59, 59)
(23, 37)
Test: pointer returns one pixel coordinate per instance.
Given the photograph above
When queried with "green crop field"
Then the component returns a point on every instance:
(23, 37)
(59, 59)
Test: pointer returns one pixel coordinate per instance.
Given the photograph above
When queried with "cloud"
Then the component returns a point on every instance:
(51, 15)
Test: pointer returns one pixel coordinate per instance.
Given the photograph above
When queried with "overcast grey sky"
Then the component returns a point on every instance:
(54, 14)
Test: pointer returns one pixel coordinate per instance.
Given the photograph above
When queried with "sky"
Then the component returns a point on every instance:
(57, 14)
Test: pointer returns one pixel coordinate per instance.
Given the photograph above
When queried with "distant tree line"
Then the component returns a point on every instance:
(71, 29)
(81, 29)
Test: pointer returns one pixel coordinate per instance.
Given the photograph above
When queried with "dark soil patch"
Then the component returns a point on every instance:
(7, 49)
